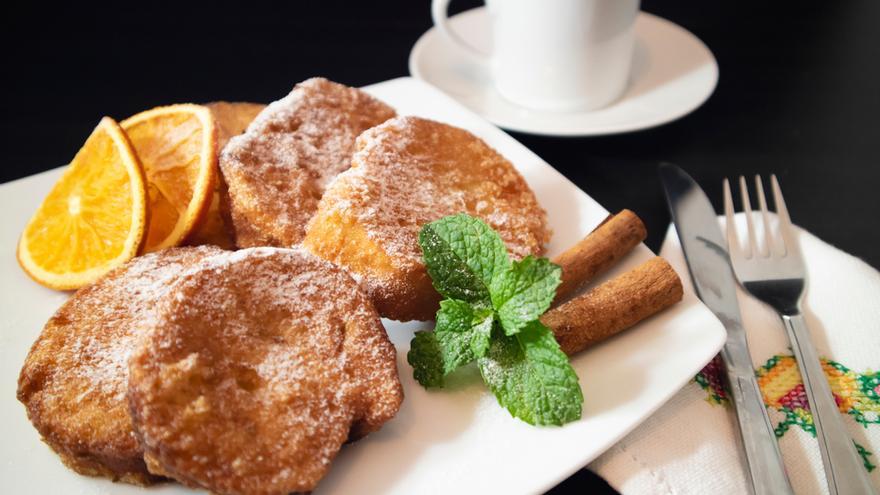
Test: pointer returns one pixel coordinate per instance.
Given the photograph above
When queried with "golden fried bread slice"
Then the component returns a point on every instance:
(231, 119)
(259, 365)
(405, 173)
(74, 379)
(276, 172)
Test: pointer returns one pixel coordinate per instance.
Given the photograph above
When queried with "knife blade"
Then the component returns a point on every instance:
(709, 264)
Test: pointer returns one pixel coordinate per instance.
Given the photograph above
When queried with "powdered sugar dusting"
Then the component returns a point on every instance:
(75, 377)
(114, 308)
(292, 359)
(410, 171)
(277, 170)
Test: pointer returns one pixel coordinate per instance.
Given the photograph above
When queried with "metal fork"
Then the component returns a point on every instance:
(776, 276)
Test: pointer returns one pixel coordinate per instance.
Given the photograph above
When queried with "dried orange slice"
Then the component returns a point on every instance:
(93, 220)
(231, 119)
(177, 146)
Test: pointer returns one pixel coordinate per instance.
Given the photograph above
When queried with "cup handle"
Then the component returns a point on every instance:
(439, 9)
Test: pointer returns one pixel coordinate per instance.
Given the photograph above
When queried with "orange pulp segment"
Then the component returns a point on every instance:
(94, 218)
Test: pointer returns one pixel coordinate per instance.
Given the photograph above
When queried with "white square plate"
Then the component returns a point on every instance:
(452, 441)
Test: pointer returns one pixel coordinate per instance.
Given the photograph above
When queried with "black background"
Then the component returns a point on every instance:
(798, 95)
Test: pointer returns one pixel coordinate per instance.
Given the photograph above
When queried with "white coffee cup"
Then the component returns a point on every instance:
(556, 55)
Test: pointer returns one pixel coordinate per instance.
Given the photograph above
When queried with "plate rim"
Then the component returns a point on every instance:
(575, 462)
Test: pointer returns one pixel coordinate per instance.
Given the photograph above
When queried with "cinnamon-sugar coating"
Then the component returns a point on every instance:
(275, 173)
(405, 173)
(260, 364)
(74, 380)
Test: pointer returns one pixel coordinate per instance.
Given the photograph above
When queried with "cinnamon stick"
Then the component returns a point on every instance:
(614, 306)
(598, 251)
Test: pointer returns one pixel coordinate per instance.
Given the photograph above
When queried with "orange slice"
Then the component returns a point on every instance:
(93, 220)
(177, 146)
(231, 119)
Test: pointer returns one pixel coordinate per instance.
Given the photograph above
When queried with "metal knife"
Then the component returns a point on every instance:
(709, 264)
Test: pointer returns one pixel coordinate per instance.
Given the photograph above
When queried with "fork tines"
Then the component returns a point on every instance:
(771, 247)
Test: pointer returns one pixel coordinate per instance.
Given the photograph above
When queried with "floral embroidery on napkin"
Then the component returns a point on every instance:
(857, 394)
(710, 379)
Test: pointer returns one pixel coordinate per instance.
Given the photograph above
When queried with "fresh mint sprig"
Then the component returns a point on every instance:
(490, 315)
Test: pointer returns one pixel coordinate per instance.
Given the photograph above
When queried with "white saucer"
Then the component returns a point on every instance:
(673, 73)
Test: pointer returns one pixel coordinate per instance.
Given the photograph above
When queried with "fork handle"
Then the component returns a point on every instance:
(844, 469)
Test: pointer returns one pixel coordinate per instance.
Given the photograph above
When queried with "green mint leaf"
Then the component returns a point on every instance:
(482, 332)
(426, 358)
(463, 255)
(454, 316)
(490, 315)
(455, 349)
(523, 293)
(531, 377)
(454, 334)
(433, 355)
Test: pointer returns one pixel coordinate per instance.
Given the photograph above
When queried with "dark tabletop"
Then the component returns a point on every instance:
(798, 94)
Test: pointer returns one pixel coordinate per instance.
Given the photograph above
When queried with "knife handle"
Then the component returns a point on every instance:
(763, 459)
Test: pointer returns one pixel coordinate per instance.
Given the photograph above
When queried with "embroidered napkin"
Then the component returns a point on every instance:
(689, 445)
